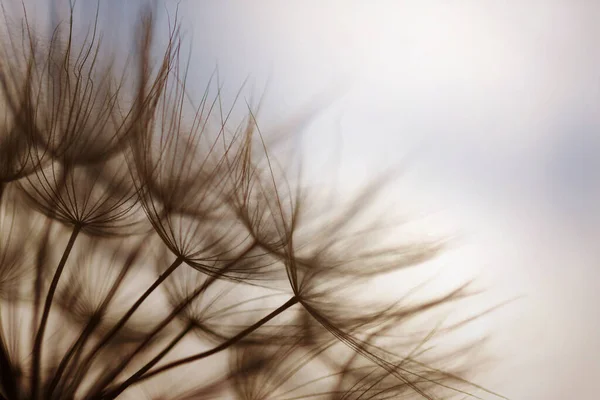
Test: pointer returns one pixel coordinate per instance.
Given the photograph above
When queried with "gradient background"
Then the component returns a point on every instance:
(496, 104)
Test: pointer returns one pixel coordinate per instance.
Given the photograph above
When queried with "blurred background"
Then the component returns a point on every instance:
(492, 106)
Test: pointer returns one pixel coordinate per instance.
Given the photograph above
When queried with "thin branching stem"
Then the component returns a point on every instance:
(39, 267)
(153, 362)
(93, 323)
(7, 377)
(39, 338)
(223, 346)
(174, 313)
(123, 320)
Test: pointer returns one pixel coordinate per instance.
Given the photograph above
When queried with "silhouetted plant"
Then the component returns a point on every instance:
(149, 246)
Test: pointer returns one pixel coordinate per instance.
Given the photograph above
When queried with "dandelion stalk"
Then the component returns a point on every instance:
(7, 378)
(37, 346)
(211, 280)
(223, 346)
(151, 363)
(93, 323)
(39, 266)
(123, 320)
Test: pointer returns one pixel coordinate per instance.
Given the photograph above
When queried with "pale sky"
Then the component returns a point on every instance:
(497, 99)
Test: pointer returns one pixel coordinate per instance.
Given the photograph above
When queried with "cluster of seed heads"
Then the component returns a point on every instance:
(150, 247)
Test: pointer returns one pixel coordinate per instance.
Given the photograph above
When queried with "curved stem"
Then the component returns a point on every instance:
(228, 343)
(8, 378)
(39, 338)
(174, 313)
(86, 363)
(86, 332)
(152, 362)
(37, 286)
(92, 324)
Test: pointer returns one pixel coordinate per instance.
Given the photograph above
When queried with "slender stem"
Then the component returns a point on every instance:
(8, 378)
(89, 328)
(92, 324)
(210, 280)
(151, 363)
(39, 338)
(228, 343)
(37, 286)
(85, 365)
